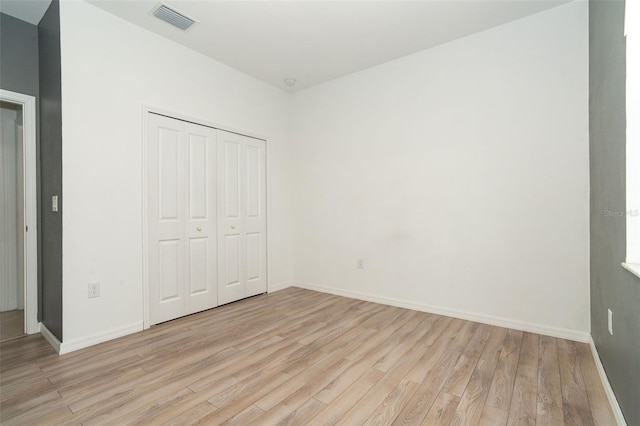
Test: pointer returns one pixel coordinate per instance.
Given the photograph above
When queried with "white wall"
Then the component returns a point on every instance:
(110, 68)
(459, 174)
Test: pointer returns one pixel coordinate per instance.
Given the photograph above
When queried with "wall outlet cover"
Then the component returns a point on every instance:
(94, 290)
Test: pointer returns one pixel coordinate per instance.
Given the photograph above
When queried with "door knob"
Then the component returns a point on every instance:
(199, 228)
(233, 227)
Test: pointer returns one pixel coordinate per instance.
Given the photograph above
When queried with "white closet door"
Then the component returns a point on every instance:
(242, 243)
(182, 218)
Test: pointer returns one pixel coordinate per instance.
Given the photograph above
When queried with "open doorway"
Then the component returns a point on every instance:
(12, 223)
(18, 222)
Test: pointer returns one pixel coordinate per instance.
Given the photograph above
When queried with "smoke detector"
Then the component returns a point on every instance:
(290, 81)
(173, 17)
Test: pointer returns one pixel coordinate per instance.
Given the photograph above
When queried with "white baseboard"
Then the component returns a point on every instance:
(563, 333)
(85, 342)
(49, 337)
(613, 401)
(280, 286)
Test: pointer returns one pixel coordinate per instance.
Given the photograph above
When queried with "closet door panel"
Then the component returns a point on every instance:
(198, 177)
(232, 260)
(198, 270)
(170, 266)
(254, 186)
(253, 257)
(253, 189)
(201, 285)
(231, 179)
(166, 218)
(231, 280)
(242, 227)
(181, 219)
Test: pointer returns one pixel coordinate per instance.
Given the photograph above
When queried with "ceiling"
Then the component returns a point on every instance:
(30, 11)
(311, 41)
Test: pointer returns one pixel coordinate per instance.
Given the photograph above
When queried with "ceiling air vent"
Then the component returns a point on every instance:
(173, 17)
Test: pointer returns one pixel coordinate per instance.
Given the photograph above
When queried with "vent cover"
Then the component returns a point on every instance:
(173, 17)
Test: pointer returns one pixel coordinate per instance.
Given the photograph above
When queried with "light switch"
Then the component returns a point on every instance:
(54, 203)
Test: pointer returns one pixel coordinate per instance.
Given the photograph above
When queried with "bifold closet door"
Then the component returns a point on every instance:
(242, 246)
(182, 219)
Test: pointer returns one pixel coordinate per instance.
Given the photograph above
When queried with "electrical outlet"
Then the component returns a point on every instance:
(360, 263)
(94, 290)
(610, 321)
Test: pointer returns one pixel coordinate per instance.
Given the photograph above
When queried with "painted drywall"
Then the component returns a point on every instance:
(110, 69)
(459, 175)
(612, 287)
(50, 232)
(19, 72)
(18, 56)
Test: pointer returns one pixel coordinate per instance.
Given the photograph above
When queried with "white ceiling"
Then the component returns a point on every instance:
(311, 41)
(317, 41)
(30, 11)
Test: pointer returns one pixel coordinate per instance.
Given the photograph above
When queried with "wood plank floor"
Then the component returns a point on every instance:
(11, 324)
(306, 358)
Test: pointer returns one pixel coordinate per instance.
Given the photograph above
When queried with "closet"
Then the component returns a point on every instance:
(206, 217)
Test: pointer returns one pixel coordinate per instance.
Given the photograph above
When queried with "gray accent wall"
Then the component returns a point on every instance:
(18, 56)
(612, 287)
(51, 168)
(19, 72)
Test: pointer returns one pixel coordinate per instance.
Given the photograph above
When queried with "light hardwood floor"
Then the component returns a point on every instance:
(11, 324)
(306, 358)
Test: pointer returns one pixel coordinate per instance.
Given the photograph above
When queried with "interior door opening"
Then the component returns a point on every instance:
(18, 238)
(11, 236)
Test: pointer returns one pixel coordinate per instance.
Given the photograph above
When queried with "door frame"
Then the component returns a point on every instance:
(28, 104)
(149, 109)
